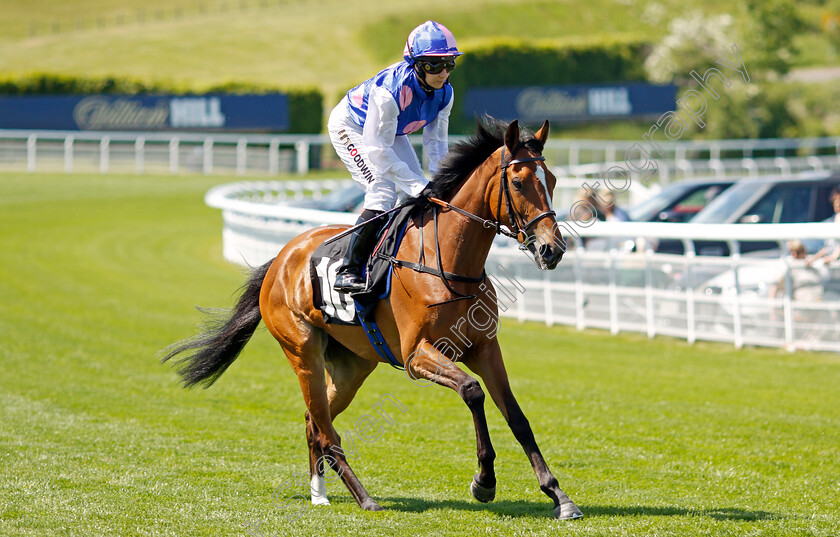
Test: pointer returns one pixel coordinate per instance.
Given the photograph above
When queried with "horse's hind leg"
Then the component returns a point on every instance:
(304, 346)
(345, 374)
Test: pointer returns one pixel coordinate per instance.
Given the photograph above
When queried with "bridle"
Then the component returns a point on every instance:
(517, 226)
(513, 211)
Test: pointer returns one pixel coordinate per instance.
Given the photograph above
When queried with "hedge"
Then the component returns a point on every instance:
(305, 104)
(507, 62)
(776, 109)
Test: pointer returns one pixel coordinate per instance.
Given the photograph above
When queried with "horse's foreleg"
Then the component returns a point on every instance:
(490, 367)
(426, 362)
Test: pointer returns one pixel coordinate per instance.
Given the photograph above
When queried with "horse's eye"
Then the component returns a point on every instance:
(517, 184)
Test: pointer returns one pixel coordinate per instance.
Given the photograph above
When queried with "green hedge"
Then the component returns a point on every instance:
(506, 62)
(773, 110)
(305, 104)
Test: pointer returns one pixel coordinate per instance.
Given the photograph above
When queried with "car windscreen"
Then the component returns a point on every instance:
(343, 199)
(651, 206)
(782, 205)
(724, 206)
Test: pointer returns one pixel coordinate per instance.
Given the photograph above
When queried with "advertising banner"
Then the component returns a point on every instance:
(253, 113)
(576, 103)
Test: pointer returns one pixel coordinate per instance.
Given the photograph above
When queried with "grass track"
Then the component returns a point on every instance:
(96, 437)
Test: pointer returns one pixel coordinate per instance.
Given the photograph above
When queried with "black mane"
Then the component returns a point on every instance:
(467, 155)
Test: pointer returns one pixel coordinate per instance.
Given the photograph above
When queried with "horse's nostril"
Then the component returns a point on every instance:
(544, 250)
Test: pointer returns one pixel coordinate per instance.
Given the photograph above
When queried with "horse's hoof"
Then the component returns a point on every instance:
(481, 493)
(372, 506)
(567, 511)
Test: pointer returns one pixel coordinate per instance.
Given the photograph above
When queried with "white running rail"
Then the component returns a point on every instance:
(687, 296)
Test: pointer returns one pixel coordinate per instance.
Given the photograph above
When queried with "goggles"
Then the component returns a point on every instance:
(435, 67)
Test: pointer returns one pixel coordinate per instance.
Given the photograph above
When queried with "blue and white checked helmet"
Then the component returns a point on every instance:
(430, 39)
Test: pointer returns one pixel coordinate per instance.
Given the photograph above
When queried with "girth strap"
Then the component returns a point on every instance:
(376, 339)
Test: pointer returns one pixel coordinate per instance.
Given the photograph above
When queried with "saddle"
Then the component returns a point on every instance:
(341, 308)
(356, 309)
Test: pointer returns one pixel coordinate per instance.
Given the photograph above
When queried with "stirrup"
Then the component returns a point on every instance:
(347, 282)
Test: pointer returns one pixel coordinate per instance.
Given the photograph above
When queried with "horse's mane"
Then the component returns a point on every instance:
(467, 155)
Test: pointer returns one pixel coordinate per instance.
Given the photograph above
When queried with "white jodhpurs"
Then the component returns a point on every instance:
(346, 137)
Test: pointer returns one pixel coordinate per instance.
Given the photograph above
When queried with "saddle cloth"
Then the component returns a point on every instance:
(341, 308)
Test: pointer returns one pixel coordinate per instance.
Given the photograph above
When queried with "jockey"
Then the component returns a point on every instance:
(369, 129)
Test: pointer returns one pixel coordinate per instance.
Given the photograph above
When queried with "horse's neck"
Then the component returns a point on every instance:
(464, 242)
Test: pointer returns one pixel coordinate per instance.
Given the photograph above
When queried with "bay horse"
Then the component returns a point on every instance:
(494, 180)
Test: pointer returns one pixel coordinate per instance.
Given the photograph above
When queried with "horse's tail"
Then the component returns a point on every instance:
(223, 338)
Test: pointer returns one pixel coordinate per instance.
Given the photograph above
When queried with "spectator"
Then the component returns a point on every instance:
(583, 210)
(831, 250)
(585, 207)
(608, 209)
(807, 285)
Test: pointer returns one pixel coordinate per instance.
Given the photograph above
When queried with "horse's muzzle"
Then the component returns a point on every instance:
(548, 255)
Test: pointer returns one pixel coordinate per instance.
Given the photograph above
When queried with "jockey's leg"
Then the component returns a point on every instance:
(349, 278)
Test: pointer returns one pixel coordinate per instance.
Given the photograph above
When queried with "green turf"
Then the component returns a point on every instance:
(97, 438)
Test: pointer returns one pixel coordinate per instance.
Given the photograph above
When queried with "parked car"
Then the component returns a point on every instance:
(679, 202)
(764, 200)
(675, 203)
(774, 200)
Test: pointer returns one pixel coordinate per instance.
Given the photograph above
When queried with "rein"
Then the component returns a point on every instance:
(446, 277)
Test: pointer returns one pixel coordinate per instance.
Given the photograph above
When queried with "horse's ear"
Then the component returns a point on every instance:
(542, 134)
(512, 136)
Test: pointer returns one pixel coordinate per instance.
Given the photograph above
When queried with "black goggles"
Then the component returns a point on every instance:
(436, 67)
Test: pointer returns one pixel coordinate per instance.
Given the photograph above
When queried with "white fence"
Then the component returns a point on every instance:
(256, 154)
(145, 152)
(691, 297)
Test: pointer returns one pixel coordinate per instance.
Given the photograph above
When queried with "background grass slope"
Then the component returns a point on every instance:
(97, 438)
(330, 44)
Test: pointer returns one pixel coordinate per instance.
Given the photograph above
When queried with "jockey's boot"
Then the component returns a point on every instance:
(349, 278)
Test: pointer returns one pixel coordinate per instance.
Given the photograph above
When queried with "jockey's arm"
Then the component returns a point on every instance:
(379, 134)
(436, 137)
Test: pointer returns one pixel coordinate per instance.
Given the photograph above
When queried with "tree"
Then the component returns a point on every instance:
(694, 41)
(764, 31)
(768, 28)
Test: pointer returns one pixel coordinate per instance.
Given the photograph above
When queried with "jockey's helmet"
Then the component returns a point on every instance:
(430, 39)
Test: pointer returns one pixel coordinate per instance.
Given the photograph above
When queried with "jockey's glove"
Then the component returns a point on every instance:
(427, 190)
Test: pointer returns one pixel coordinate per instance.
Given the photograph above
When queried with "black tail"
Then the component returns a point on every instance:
(223, 338)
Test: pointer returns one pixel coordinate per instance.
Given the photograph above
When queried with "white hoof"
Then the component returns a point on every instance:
(318, 490)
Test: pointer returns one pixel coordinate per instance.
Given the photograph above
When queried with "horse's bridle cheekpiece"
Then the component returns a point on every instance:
(513, 211)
